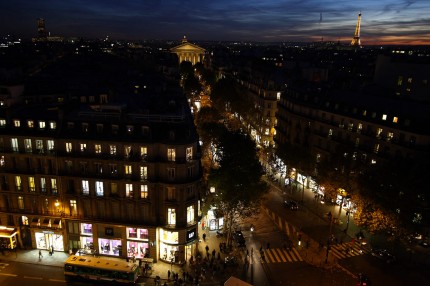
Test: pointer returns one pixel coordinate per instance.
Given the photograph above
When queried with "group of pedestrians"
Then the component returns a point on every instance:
(51, 252)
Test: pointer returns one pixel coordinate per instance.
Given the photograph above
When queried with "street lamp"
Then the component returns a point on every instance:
(57, 205)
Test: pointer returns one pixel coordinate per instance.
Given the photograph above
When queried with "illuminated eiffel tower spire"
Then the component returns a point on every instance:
(356, 40)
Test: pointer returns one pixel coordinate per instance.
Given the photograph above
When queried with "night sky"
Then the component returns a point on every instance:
(383, 21)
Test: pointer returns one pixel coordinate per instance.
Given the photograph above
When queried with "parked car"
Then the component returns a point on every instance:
(384, 255)
(239, 238)
(292, 205)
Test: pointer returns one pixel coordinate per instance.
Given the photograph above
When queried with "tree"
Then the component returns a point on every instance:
(237, 179)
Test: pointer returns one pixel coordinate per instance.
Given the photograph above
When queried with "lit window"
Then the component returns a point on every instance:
(113, 169)
(384, 117)
(409, 80)
(85, 187)
(2, 161)
(54, 186)
(190, 214)
(114, 188)
(30, 124)
(73, 207)
(69, 147)
(43, 185)
(50, 145)
(83, 147)
(128, 169)
(42, 124)
(2, 123)
(98, 148)
(189, 153)
(112, 149)
(129, 129)
(99, 188)
(395, 119)
(129, 190)
(21, 202)
(376, 148)
(378, 132)
(143, 191)
(27, 145)
(171, 154)
(53, 125)
(143, 173)
(39, 147)
(16, 123)
(31, 184)
(171, 216)
(18, 183)
(399, 81)
(390, 136)
(127, 152)
(14, 143)
(143, 152)
(24, 220)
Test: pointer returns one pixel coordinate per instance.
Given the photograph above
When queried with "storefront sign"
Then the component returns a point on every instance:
(191, 234)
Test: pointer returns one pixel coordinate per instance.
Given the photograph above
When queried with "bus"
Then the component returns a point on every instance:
(101, 269)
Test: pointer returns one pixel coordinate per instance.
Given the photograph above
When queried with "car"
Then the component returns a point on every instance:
(292, 205)
(384, 255)
(239, 238)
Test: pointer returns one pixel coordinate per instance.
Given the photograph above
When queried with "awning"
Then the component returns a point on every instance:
(7, 231)
(35, 222)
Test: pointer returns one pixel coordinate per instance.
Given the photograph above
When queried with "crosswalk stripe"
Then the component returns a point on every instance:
(275, 255)
(281, 254)
(268, 255)
(297, 254)
(287, 255)
(280, 223)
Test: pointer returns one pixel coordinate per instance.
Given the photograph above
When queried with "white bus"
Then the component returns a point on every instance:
(100, 269)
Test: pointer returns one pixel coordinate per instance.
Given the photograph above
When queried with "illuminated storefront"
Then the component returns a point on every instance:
(7, 237)
(86, 236)
(137, 242)
(47, 239)
(214, 219)
(169, 250)
(109, 244)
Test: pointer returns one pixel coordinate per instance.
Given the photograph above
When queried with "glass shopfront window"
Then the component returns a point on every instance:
(168, 250)
(87, 243)
(137, 233)
(110, 246)
(137, 249)
(86, 228)
(48, 239)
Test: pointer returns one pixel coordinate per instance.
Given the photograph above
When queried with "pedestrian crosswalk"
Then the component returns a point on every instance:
(276, 255)
(346, 250)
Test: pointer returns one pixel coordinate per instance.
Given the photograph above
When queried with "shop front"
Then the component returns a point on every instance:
(137, 242)
(214, 220)
(169, 248)
(47, 239)
(8, 237)
(86, 236)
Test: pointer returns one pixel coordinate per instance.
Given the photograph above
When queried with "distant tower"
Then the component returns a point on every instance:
(41, 27)
(356, 40)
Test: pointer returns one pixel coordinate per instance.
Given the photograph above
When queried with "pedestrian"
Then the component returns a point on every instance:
(52, 249)
(268, 245)
(204, 236)
(207, 248)
(247, 252)
(168, 274)
(40, 254)
(261, 247)
(213, 253)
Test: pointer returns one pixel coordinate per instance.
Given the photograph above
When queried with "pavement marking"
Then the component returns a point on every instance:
(287, 228)
(275, 255)
(269, 255)
(32, 277)
(287, 255)
(7, 274)
(297, 254)
(280, 254)
(57, 280)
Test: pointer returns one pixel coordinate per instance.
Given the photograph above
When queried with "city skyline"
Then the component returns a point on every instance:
(383, 22)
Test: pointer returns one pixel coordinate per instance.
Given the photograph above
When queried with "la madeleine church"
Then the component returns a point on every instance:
(187, 51)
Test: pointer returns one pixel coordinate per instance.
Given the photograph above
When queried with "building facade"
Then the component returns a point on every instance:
(99, 176)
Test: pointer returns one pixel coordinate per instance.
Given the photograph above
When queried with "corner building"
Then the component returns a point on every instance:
(100, 175)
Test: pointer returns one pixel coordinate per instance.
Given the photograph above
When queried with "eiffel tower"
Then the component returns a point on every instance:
(356, 39)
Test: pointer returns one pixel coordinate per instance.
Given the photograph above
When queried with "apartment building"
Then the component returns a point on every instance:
(112, 175)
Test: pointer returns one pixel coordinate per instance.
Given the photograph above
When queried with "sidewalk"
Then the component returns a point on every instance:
(32, 256)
